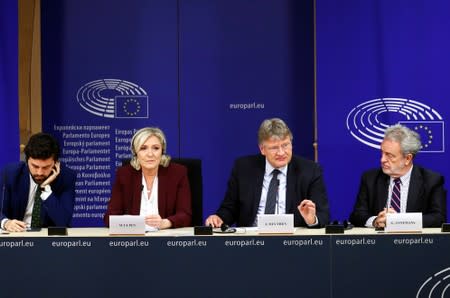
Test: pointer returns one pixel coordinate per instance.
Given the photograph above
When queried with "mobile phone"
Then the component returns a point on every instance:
(33, 229)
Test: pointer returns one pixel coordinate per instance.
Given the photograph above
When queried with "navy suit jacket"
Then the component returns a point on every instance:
(426, 194)
(174, 195)
(57, 210)
(304, 181)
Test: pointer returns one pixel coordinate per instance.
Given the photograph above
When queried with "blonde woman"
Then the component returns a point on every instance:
(151, 185)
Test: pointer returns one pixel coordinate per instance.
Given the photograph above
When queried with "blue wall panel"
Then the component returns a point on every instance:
(242, 62)
(208, 71)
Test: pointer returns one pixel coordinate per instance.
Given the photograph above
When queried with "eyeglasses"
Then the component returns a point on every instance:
(284, 147)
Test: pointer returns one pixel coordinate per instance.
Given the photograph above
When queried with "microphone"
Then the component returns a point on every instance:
(387, 203)
(130, 202)
(2, 216)
(277, 197)
(386, 207)
(226, 228)
(3, 191)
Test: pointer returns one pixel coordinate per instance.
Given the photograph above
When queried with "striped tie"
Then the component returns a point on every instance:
(395, 199)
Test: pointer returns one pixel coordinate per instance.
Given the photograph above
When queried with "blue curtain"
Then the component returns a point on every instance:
(9, 120)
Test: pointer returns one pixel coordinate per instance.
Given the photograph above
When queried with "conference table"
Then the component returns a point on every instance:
(89, 262)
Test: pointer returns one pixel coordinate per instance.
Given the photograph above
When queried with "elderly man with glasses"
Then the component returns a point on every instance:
(295, 182)
(398, 185)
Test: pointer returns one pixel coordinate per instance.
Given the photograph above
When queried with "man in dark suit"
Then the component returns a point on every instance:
(300, 188)
(39, 192)
(399, 186)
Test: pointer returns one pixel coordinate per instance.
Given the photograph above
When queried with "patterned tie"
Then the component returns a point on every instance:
(395, 199)
(36, 213)
(272, 193)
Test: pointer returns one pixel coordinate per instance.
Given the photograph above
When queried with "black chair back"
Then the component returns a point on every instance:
(194, 167)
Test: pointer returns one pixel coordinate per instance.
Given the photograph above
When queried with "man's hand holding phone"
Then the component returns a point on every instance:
(55, 172)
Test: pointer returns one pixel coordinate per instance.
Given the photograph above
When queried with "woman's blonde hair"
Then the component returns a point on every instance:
(140, 137)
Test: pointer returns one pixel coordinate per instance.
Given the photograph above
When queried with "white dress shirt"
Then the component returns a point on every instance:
(404, 188)
(149, 204)
(46, 192)
(280, 205)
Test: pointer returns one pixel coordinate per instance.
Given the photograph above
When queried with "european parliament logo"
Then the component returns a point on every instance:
(114, 98)
(436, 285)
(368, 121)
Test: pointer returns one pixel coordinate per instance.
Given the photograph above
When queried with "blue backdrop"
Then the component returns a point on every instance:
(242, 62)
(206, 72)
(379, 62)
(9, 98)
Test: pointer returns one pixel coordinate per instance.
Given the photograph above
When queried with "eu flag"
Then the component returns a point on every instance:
(431, 134)
(131, 106)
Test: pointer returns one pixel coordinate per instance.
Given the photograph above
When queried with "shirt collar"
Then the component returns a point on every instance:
(33, 185)
(269, 169)
(405, 178)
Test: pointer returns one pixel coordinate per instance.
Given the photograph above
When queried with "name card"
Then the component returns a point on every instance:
(276, 224)
(404, 222)
(126, 225)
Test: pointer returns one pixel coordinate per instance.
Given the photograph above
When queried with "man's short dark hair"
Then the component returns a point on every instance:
(42, 146)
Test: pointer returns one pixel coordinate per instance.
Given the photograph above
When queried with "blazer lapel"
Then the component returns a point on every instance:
(383, 191)
(136, 193)
(23, 190)
(257, 189)
(291, 183)
(415, 191)
(162, 191)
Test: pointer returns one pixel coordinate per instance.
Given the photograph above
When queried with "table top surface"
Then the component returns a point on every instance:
(189, 231)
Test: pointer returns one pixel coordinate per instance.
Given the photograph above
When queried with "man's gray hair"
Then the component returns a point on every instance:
(408, 139)
(274, 127)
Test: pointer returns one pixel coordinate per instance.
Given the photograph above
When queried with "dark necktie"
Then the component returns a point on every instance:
(36, 213)
(272, 193)
(395, 199)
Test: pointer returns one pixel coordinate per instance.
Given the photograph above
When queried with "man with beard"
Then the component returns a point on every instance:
(400, 186)
(39, 192)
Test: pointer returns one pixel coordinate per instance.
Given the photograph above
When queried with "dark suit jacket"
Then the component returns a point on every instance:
(304, 181)
(426, 194)
(57, 210)
(174, 195)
